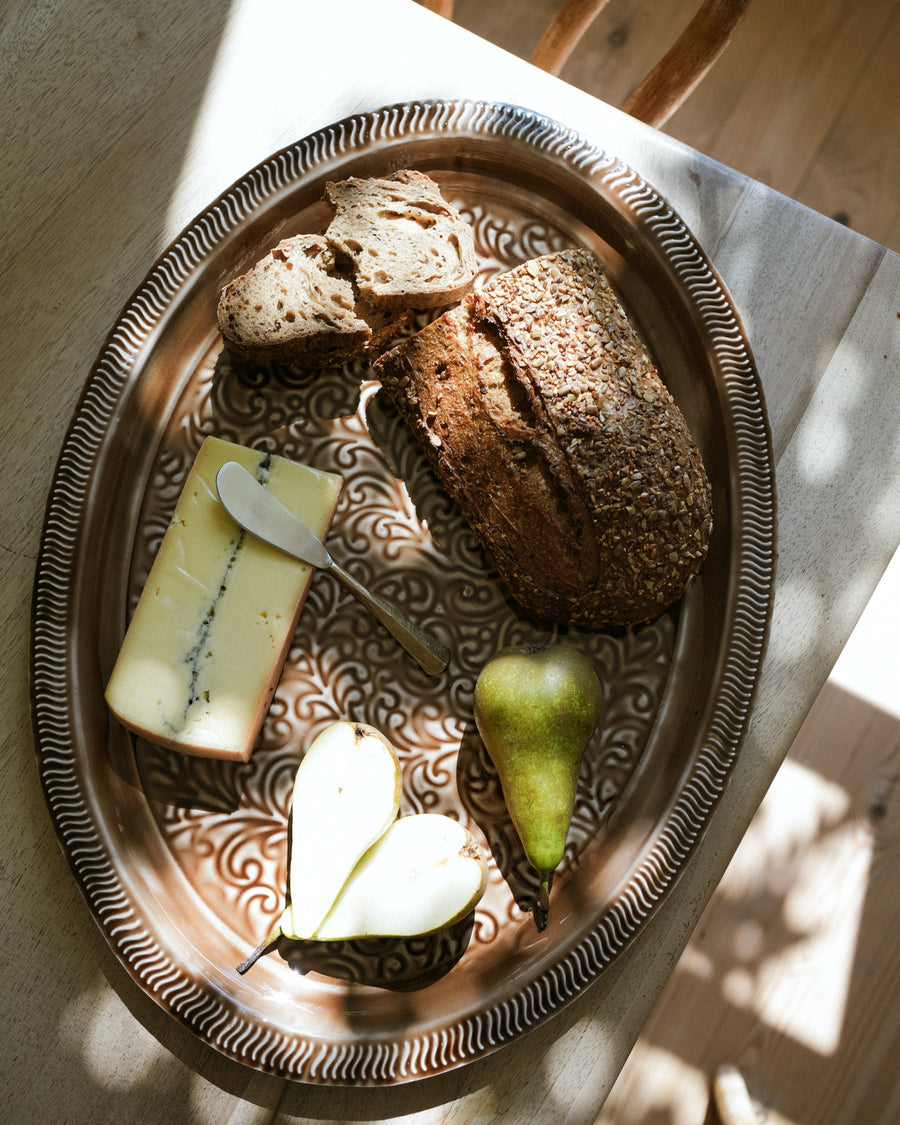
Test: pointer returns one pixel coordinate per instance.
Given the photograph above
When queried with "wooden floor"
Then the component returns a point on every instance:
(794, 971)
(805, 99)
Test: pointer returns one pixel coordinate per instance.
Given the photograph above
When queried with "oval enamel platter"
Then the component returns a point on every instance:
(182, 860)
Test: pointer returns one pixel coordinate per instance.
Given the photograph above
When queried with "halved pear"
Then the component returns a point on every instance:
(426, 872)
(346, 794)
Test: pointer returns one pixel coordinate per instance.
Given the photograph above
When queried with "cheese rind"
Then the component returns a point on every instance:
(204, 650)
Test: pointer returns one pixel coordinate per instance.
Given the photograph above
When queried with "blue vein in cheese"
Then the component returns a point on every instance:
(204, 649)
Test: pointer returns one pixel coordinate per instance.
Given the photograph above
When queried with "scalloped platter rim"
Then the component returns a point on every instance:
(182, 861)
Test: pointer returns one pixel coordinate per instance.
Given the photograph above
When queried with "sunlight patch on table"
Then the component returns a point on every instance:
(823, 451)
(231, 116)
(91, 1028)
(869, 665)
(672, 1090)
(228, 110)
(252, 1108)
(697, 962)
(805, 852)
(792, 645)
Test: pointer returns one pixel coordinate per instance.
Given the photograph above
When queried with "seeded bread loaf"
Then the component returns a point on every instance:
(408, 247)
(296, 304)
(547, 423)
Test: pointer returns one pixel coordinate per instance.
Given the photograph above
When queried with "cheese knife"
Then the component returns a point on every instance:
(255, 509)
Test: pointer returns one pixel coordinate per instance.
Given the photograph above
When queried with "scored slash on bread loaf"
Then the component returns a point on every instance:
(409, 247)
(393, 245)
(547, 423)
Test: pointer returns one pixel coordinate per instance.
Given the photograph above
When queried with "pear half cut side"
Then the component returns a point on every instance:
(346, 794)
(425, 873)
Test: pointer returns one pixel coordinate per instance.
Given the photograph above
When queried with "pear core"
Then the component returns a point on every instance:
(346, 794)
(355, 869)
(422, 875)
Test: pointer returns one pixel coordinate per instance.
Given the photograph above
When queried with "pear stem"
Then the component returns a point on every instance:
(269, 944)
(542, 905)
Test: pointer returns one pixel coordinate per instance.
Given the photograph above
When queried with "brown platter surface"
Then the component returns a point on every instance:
(183, 861)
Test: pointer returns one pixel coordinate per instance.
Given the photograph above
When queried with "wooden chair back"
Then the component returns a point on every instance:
(667, 85)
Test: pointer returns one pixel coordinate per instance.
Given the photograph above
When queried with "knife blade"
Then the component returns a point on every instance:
(254, 508)
(250, 504)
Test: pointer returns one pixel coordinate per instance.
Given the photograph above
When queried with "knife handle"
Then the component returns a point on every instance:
(428, 652)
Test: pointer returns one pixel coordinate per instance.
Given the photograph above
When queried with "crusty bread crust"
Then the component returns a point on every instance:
(408, 246)
(547, 423)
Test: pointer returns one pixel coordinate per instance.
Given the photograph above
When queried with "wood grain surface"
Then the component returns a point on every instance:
(804, 99)
(793, 972)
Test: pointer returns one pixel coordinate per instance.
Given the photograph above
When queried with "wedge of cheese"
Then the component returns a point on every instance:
(206, 645)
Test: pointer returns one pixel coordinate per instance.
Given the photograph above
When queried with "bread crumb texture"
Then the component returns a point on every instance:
(393, 245)
(292, 301)
(546, 421)
(408, 246)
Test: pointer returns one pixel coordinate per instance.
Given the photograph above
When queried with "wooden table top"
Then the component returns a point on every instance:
(120, 126)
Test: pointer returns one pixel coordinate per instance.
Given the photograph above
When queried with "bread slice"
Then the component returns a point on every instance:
(393, 246)
(547, 423)
(296, 304)
(408, 247)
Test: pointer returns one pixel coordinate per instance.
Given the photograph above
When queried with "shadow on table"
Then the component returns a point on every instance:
(791, 973)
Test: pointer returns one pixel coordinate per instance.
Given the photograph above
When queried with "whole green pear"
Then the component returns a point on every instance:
(536, 708)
